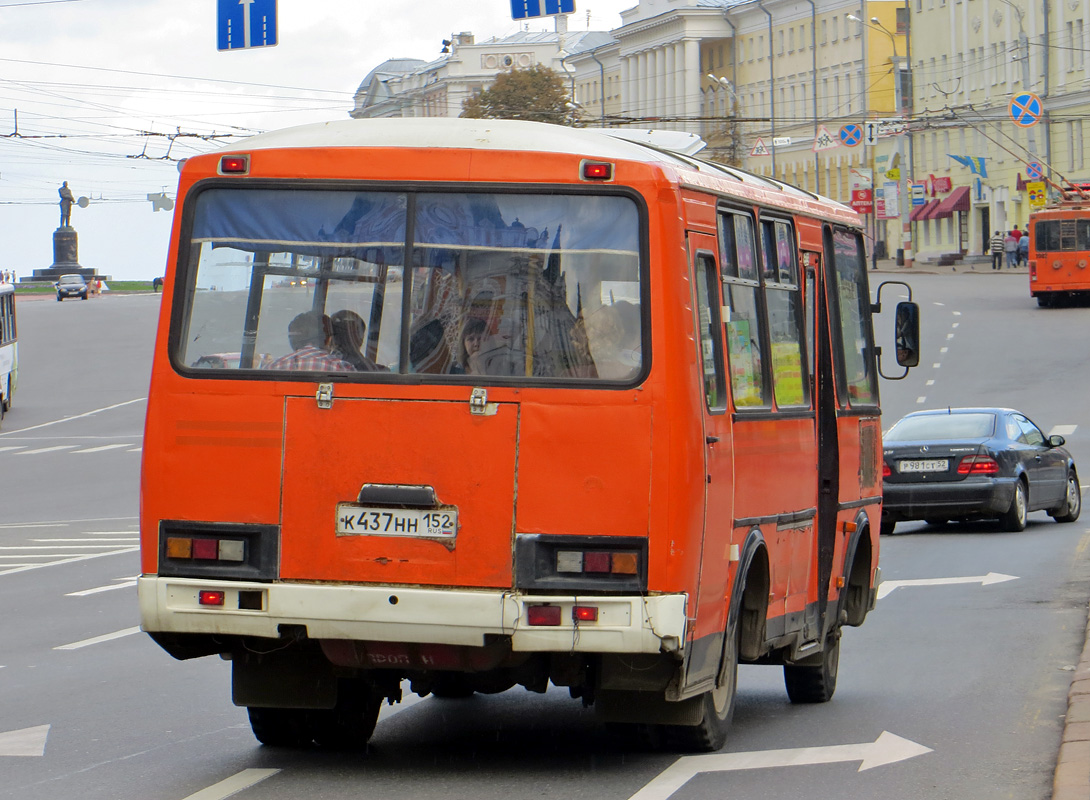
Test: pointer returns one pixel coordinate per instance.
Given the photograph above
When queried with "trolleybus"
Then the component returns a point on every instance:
(9, 348)
(1059, 248)
(450, 406)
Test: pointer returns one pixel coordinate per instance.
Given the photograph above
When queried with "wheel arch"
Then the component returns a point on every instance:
(854, 602)
(749, 595)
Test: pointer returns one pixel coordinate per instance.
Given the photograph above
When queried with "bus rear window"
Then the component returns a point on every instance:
(364, 284)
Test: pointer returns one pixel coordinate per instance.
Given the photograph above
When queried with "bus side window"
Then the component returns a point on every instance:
(742, 320)
(707, 299)
(785, 316)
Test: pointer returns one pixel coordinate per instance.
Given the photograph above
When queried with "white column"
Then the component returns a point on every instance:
(641, 84)
(652, 83)
(670, 106)
(690, 83)
(626, 85)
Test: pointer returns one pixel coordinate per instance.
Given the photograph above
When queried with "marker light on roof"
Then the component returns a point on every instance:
(234, 165)
(594, 171)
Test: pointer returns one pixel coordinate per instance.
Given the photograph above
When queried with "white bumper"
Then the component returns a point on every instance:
(428, 616)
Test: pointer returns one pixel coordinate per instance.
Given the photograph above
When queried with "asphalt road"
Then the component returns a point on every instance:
(966, 658)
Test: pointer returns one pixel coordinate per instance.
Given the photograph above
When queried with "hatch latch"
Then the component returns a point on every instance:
(324, 395)
(479, 405)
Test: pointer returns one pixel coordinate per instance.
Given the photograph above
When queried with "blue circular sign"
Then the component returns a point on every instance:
(1034, 170)
(1025, 109)
(851, 135)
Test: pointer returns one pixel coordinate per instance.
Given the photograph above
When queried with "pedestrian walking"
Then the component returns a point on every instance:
(1023, 248)
(1010, 247)
(997, 250)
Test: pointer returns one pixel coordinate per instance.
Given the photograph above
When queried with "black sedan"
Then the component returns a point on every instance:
(971, 463)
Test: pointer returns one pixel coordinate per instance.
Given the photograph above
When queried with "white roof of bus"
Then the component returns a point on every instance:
(513, 135)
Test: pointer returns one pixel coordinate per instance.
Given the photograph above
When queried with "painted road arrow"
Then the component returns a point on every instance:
(886, 749)
(885, 587)
(26, 742)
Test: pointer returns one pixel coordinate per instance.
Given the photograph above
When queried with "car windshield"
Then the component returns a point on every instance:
(977, 425)
(71, 279)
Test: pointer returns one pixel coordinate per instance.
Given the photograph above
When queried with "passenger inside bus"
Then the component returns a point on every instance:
(473, 335)
(349, 336)
(613, 332)
(311, 337)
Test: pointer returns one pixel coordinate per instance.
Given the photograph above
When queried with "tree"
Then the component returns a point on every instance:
(535, 94)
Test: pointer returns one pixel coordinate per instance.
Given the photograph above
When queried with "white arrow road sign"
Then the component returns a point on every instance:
(27, 742)
(886, 749)
(885, 587)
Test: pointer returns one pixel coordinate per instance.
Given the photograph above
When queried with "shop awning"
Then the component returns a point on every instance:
(957, 200)
(919, 213)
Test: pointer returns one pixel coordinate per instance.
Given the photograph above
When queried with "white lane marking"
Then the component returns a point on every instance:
(956, 324)
(27, 567)
(920, 400)
(101, 448)
(233, 785)
(12, 447)
(1063, 430)
(936, 365)
(48, 547)
(940, 304)
(125, 583)
(25, 742)
(930, 382)
(949, 336)
(125, 539)
(106, 637)
(77, 416)
(63, 523)
(885, 587)
(941, 350)
(46, 449)
(888, 748)
(956, 313)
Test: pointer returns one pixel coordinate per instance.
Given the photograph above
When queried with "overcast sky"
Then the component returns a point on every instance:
(92, 90)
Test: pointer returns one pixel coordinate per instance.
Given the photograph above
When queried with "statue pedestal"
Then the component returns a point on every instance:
(65, 248)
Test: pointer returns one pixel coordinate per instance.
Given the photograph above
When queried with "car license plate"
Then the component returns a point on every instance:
(357, 520)
(924, 465)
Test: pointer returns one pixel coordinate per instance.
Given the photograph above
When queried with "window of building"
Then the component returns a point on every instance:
(779, 42)
(836, 28)
(791, 40)
(824, 31)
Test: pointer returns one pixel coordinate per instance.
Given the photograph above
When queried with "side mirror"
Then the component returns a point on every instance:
(1055, 440)
(907, 334)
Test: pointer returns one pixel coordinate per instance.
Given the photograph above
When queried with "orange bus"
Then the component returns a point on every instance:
(450, 406)
(1059, 248)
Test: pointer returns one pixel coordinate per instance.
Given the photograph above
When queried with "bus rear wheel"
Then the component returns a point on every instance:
(347, 726)
(717, 705)
(815, 683)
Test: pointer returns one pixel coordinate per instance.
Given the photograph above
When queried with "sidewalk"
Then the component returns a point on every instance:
(983, 267)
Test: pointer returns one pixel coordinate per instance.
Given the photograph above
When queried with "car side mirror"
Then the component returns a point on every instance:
(1055, 440)
(907, 334)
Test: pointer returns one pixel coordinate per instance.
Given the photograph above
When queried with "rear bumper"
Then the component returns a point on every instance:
(626, 624)
(975, 497)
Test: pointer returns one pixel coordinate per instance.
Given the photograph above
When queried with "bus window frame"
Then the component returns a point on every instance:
(802, 337)
(832, 289)
(184, 290)
(708, 272)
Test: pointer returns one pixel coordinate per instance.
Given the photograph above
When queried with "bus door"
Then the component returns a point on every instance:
(828, 439)
(399, 490)
(718, 462)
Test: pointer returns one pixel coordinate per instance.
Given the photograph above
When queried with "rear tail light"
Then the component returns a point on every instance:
(576, 564)
(886, 471)
(597, 171)
(543, 615)
(978, 465)
(584, 613)
(206, 549)
(208, 597)
(578, 561)
(234, 165)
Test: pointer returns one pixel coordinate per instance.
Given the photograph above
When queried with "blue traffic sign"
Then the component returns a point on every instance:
(1025, 109)
(1034, 170)
(851, 135)
(525, 9)
(245, 23)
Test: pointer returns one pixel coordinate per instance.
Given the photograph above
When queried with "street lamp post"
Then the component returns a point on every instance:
(905, 199)
(732, 100)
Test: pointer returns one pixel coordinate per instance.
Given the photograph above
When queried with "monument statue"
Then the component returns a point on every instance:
(66, 204)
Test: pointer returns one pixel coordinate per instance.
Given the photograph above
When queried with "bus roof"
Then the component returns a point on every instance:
(524, 136)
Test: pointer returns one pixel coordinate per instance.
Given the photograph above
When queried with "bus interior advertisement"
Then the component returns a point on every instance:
(508, 286)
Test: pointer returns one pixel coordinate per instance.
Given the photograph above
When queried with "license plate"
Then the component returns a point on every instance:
(357, 520)
(924, 465)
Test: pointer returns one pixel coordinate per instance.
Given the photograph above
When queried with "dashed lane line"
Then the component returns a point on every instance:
(106, 637)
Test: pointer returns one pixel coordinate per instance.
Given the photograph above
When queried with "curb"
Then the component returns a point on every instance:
(1072, 778)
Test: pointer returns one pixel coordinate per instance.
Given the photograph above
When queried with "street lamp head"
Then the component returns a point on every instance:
(854, 18)
(875, 20)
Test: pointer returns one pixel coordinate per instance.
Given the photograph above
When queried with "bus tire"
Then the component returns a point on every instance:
(1045, 300)
(815, 683)
(349, 724)
(717, 705)
(1071, 507)
(452, 687)
(281, 727)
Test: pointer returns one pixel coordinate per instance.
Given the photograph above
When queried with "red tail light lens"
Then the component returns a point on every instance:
(978, 465)
(234, 165)
(207, 597)
(543, 615)
(585, 613)
(886, 471)
(597, 172)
